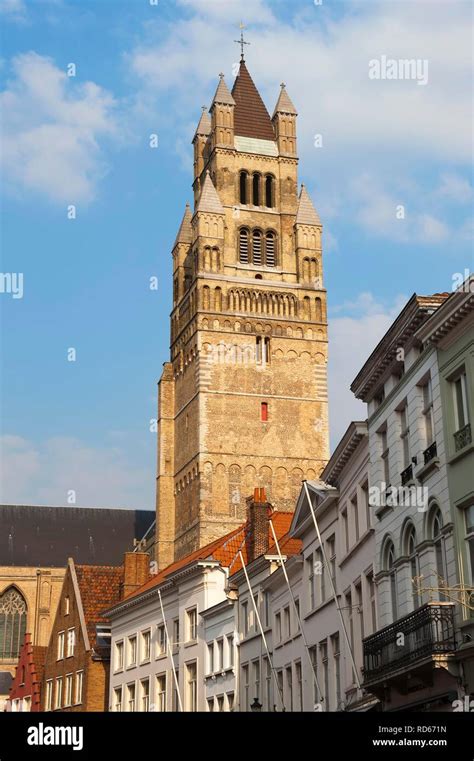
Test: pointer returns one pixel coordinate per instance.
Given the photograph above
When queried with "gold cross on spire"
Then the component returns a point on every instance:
(242, 42)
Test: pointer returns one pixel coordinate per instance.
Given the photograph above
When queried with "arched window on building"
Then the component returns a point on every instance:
(257, 258)
(269, 191)
(244, 245)
(436, 534)
(243, 182)
(270, 249)
(256, 189)
(12, 623)
(389, 566)
(413, 560)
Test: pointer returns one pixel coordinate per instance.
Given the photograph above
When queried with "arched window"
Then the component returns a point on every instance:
(257, 247)
(410, 550)
(244, 245)
(269, 199)
(270, 249)
(256, 189)
(12, 623)
(243, 186)
(436, 527)
(389, 565)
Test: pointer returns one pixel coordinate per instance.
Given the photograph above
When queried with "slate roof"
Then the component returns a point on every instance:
(306, 213)
(185, 232)
(209, 199)
(251, 118)
(222, 93)
(204, 124)
(284, 103)
(226, 550)
(47, 536)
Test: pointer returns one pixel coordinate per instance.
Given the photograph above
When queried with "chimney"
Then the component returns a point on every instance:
(258, 511)
(136, 567)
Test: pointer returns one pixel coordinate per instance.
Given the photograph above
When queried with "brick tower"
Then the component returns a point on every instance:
(243, 400)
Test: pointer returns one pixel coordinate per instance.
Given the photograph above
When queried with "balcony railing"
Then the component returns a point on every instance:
(430, 453)
(429, 630)
(463, 437)
(407, 474)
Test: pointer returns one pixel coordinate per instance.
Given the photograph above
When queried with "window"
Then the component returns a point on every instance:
(389, 563)
(428, 413)
(245, 687)
(160, 639)
(49, 695)
(59, 692)
(244, 626)
(278, 626)
(355, 517)
(287, 624)
(256, 679)
(264, 412)
(331, 544)
(61, 638)
(280, 685)
(145, 695)
(405, 436)
(385, 456)
(117, 704)
(118, 656)
(230, 701)
(310, 573)
(71, 642)
(68, 690)
(220, 655)
(313, 651)
(410, 550)
(289, 687)
(146, 640)
(350, 617)
(345, 530)
(320, 572)
(438, 539)
(297, 615)
(366, 503)
(161, 693)
(176, 632)
(469, 521)
(66, 605)
(262, 350)
(360, 607)
(269, 191)
(191, 617)
(268, 685)
(210, 705)
(210, 658)
(371, 592)
(78, 687)
(132, 651)
(337, 669)
(12, 623)
(244, 246)
(191, 686)
(460, 401)
(131, 697)
(270, 249)
(323, 649)
(243, 180)
(257, 247)
(256, 189)
(299, 684)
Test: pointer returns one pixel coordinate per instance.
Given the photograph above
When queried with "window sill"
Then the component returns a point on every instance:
(381, 511)
(425, 470)
(462, 453)
(190, 643)
(118, 671)
(130, 666)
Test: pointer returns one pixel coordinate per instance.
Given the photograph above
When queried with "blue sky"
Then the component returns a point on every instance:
(84, 140)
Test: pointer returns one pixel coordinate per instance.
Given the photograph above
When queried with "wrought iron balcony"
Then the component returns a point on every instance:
(407, 474)
(463, 437)
(430, 453)
(428, 631)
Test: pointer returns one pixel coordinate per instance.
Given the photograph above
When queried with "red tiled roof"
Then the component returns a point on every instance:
(100, 588)
(226, 550)
(251, 118)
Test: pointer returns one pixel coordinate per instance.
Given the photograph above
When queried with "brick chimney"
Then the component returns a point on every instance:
(136, 571)
(258, 511)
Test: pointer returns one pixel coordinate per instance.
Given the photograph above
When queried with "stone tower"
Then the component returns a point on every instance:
(243, 400)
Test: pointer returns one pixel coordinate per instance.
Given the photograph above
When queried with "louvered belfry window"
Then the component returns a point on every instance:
(270, 258)
(244, 246)
(257, 247)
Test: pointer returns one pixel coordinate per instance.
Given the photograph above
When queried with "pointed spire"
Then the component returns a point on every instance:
(204, 126)
(222, 93)
(185, 232)
(209, 199)
(284, 104)
(251, 118)
(306, 214)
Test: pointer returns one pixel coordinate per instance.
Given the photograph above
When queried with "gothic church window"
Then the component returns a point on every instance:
(12, 623)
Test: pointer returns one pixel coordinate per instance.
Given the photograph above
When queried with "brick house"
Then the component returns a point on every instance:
(76, 668)
(25, 692)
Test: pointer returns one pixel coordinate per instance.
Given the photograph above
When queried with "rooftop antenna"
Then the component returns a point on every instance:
(242, 42)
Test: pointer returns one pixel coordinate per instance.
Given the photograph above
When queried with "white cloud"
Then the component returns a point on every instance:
(14, 10)
(453, 187)
(352, 338)
(45, 473)
(52, 131)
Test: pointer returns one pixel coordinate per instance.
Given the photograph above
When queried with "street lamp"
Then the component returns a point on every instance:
(256, 707)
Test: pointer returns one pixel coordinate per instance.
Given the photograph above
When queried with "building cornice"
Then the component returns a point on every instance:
(344, 450)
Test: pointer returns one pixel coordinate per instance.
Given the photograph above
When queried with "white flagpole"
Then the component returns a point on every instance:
(170, 653)
(338, 608)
